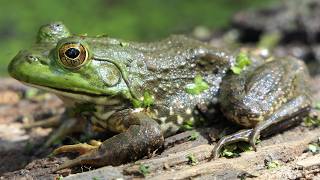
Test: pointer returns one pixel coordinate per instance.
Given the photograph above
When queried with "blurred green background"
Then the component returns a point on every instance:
(128, 19)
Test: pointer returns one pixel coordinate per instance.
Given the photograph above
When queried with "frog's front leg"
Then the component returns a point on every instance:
(66, 126)
(143, 136)
(273, 95)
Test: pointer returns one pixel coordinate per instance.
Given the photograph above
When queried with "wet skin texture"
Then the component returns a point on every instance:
(139, 90)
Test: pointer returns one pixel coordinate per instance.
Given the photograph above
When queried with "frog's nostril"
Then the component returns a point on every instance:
(31, 58)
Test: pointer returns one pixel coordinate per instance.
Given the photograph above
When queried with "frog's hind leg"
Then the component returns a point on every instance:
(81, 148)
(289, 114)
(142, 137)
(293, 111)
(266, 97)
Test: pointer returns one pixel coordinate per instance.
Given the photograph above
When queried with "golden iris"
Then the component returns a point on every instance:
(73, 55)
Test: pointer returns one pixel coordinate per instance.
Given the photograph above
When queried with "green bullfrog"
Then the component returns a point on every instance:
(147, 91)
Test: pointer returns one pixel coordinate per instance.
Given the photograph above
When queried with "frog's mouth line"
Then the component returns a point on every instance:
(81, 96)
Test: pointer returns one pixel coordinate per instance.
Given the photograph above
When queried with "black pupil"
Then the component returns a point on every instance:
(72, 53)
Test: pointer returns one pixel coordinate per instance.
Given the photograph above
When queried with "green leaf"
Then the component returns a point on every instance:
(193, 136)
(188, 125)
(148, 100)
(144, 169)
(192, 160)
(242, 61)
(197, 87)
(230, 151)
(311, 121)
(313, 148)
(236, 70)
(273, 164)
(317, 106)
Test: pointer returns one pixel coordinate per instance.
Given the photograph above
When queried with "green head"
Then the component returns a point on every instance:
(78, 67)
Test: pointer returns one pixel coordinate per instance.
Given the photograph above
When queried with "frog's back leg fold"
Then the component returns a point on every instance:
(141, 138)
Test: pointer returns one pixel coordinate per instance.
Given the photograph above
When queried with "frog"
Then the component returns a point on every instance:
(146, 91)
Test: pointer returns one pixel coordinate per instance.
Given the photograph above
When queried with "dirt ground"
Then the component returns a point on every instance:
(23, 158)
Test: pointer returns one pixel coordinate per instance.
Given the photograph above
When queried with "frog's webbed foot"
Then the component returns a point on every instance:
(142, 137)
(283, 118)
(243, 135)
(81, 148)
(286, 116)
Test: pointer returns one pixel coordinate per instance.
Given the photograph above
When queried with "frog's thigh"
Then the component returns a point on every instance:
(142, 137)
(294, 109)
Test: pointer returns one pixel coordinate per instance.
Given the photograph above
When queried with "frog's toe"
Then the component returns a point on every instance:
(81, 148)
(87, 158)
(254, 137)
(242, 135)
(95, 142)
(216, 150)
(88, 154)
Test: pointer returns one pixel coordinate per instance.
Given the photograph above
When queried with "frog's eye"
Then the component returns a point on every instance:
(73, 55)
